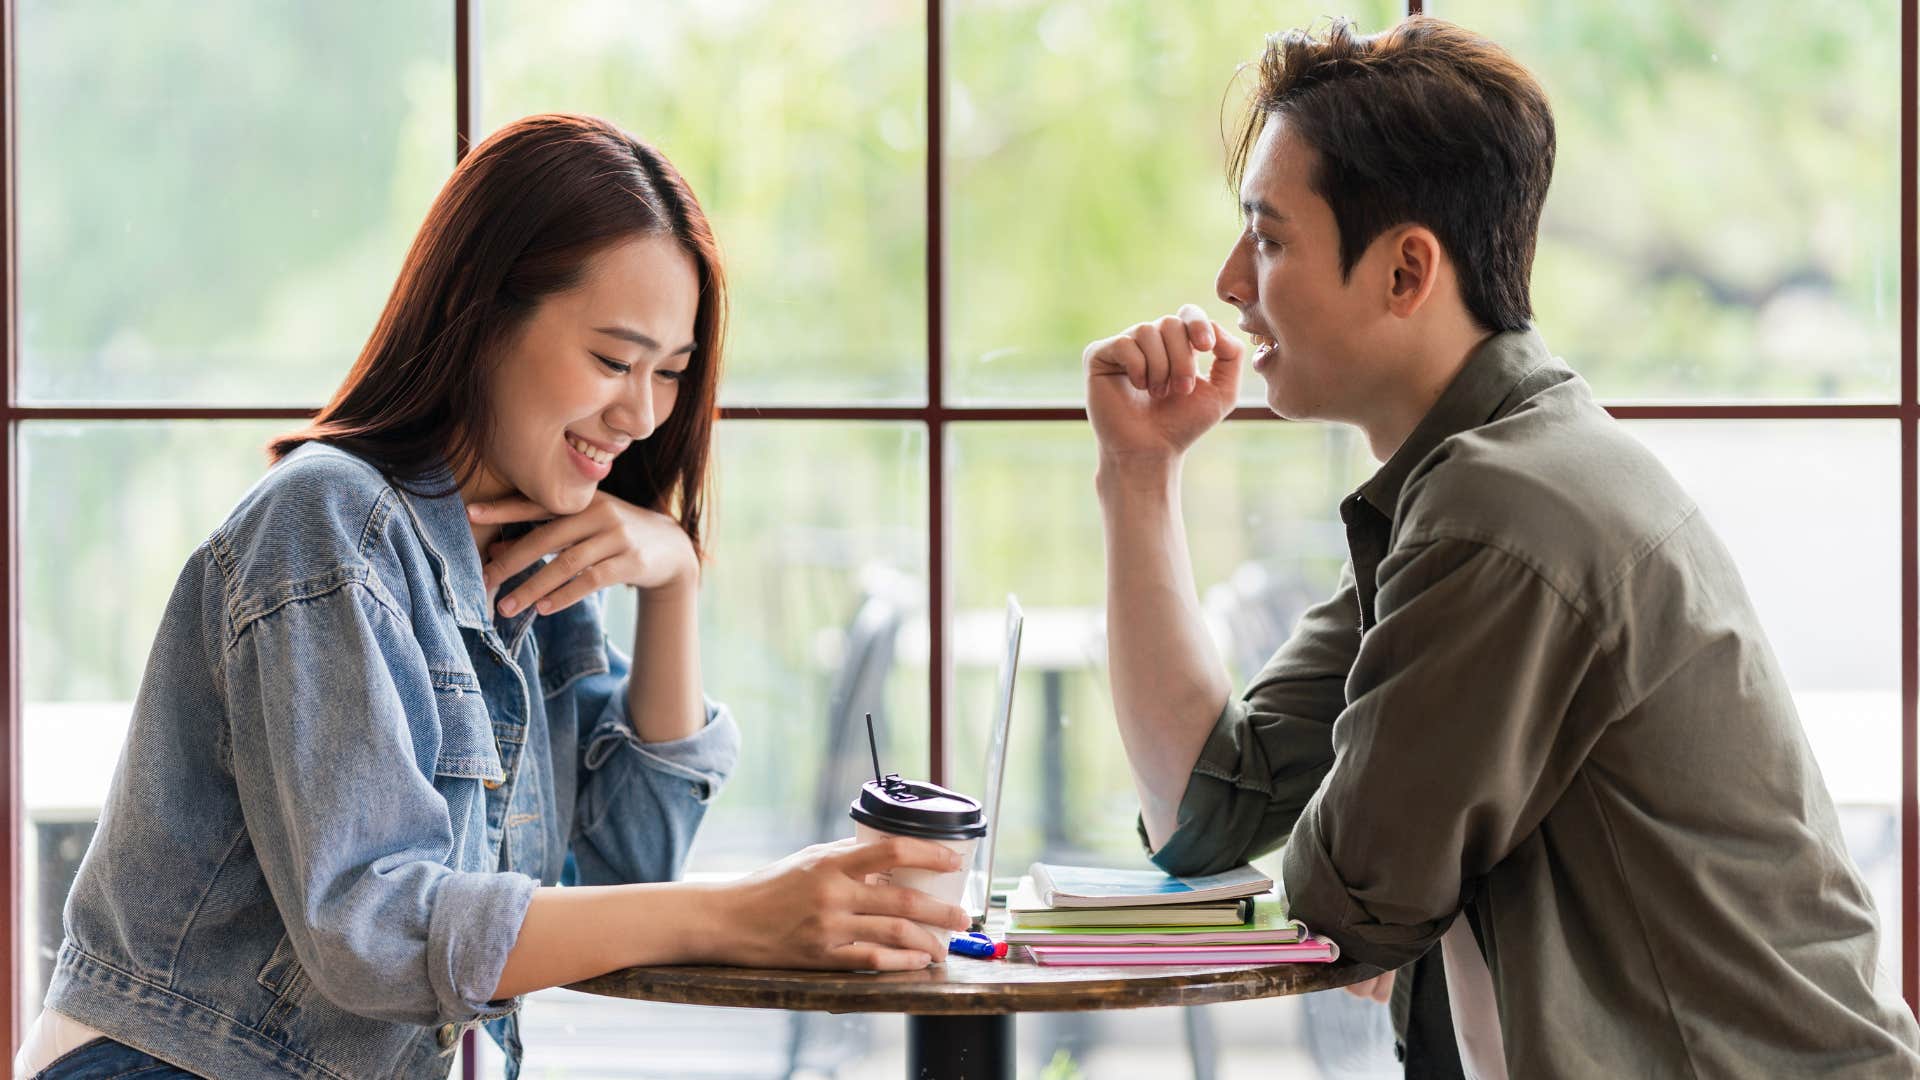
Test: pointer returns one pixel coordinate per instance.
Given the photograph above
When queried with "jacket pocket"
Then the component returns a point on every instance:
(467, 746)
(287, 981)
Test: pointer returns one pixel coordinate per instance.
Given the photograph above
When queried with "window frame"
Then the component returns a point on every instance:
(940, 418)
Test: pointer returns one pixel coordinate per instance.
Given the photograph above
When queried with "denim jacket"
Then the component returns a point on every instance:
(344, 779)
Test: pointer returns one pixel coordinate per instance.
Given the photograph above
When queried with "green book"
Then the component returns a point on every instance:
(1270, 925)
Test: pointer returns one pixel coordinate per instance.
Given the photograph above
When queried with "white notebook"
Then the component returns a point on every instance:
(1097, 887)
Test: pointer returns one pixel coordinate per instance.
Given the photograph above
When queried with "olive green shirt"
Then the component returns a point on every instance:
(1541, 697)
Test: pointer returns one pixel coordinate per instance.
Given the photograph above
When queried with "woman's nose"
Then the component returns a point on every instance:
(633, 413)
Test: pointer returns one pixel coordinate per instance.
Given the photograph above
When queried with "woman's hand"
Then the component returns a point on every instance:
(813, 909)
(611, 542)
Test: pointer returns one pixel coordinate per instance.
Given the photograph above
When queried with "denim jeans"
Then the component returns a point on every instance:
(104, 1059)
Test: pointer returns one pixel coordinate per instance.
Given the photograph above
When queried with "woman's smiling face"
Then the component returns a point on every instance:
(593, 370)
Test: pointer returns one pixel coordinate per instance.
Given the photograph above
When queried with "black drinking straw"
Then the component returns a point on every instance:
(875, 747)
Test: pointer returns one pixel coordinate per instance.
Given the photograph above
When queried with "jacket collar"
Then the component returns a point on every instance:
(447, 534)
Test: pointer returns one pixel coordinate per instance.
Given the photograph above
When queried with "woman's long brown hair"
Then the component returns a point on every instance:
(517, 221)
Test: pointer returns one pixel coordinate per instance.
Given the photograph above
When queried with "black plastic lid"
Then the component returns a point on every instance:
(917, 808)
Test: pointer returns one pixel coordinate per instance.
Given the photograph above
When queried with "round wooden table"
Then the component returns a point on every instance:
(960, 1014)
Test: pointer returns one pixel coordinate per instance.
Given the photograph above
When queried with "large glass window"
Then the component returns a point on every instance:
(1726, 200)
(1261, 511)
(801, 127)
(211, 210)
(212, 204)
(1086, 167)
(808, 618)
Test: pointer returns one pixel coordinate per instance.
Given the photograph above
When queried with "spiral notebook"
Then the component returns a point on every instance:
(1062, 886)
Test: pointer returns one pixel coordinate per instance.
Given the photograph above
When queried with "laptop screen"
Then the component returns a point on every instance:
(980, 873)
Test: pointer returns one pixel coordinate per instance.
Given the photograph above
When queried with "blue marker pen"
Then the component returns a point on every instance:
(975, 945)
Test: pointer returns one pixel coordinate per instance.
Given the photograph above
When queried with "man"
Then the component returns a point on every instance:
(1540, 697)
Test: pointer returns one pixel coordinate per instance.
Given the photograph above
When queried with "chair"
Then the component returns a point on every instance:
(859, 687)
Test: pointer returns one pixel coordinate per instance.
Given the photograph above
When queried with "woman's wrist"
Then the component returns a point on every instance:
(663, 689)
(670, 922)
(681, 588)
(701, 914)
(685, 579)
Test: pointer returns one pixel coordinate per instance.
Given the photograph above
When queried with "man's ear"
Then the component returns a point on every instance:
(1415, 266)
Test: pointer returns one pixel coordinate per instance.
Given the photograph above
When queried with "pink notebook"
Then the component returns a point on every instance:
(1311, 951)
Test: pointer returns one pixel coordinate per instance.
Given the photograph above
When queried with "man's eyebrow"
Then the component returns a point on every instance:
(629, 334)
(1250, 207)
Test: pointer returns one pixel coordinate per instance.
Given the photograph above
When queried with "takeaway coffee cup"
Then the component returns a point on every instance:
(891, 806)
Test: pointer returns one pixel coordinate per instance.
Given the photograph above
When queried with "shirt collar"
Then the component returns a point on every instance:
(1485, 387)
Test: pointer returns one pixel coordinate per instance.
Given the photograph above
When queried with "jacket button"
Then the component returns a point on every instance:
(490, 785)
(447, 1034)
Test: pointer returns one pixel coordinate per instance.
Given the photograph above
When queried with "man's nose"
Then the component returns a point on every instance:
(1234, 282)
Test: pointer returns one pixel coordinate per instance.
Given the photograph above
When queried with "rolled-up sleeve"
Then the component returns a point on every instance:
(337, 792)
(1269, 749)
(640, 803)
(1474, 701)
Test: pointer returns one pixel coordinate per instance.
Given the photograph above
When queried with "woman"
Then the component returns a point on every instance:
(349, 786)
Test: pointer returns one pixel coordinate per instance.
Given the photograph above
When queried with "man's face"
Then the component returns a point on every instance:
(1313, 331)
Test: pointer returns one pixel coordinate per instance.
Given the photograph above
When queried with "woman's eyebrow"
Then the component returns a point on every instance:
(625, 333)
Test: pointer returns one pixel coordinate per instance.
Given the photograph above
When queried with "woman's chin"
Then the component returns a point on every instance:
(568, 504)
(570, 499)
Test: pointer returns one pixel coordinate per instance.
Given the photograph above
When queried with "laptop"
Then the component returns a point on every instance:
(980, 872)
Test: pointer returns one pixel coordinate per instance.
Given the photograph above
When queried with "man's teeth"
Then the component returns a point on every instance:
(589, 451)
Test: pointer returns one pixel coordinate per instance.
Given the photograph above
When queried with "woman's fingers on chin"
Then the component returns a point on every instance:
(559, 601)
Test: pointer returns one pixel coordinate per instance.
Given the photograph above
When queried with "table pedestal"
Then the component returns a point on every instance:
(960, 1047)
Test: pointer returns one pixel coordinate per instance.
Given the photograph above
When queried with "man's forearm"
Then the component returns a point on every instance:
(1168, 682)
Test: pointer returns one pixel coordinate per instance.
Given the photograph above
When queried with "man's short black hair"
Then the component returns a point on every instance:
(1426, 124)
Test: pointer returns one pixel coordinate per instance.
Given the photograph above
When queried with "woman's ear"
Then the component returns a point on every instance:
(1415, 268)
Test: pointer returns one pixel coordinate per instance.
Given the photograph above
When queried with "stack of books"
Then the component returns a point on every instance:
(1085, 915)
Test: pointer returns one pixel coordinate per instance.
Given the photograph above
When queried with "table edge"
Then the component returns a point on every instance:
(879, 993)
